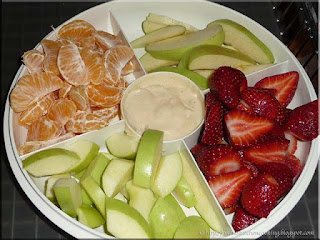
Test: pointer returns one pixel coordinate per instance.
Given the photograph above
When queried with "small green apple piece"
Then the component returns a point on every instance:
(184, 194)
(50, 183)
(174, 48)
(175, 205)
(245, 41)
(86, 150)
(142, 199)
(123, 221)
(213, 57)
(125, 192)
(116, 175)
(149, 27)
(150, 63)
(68, 195)
(79, 174)
(50, 161)
(206, 73)
(86, 200)
(167, 175)
(193, 227)
(148, 158)
(90, 216)
(108, 155)
(158, 35)
(122, 145)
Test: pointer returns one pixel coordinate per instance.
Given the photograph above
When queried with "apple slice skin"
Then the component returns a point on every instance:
(90, 217)
(175, 205)
(184, 194)
(49, 192)
(150, 63)
(193, 227)
(148, 26)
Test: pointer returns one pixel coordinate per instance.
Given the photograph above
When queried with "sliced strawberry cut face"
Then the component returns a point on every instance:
(242, 219)
(227, 187)
(294, 165)
(244, 107)
(293, 145)
(254, 170)
(285, 85)
(244, 128)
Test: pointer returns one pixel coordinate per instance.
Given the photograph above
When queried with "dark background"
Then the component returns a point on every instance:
(25, 24)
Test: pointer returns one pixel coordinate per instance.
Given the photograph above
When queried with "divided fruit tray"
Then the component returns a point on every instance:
(115, 17)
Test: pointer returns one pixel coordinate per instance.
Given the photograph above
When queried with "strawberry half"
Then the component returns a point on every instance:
(227, 187)
(231, 209)
(282, 116)
(244, 128)
(242, 219)
(242, 105)
(294, 164)
(285, 85)
(260, 195)
(254, 170)
(303, 121)
(211, 98)
(198, 148)
(293, 145)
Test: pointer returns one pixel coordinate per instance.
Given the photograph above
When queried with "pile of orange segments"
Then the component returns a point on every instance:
(74, 85)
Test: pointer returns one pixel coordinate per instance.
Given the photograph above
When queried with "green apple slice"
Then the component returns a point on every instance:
(50, 161)
(142, 199)
(122, 145)
(167, 175)
(175, 205)
(125, 192)
(184, 194)
(79, 174)
(158, 35)
(201, 82)
(50, 183)
(68, 195)
(206, 73)
(108, 155)
(245, 41)
(150, 63)
(165, 20)
(86, 200)
(148, 157)
(253, 68)
(193, 227)
(86, 150)
(90, 216)
(149, 27)
(123, 221)
(174, 48)
(116, 175)
(120, 197)
(213, 57)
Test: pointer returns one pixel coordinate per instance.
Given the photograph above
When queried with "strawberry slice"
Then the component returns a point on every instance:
(260, 195)
(262, 102)
(227, 82)
(244, 128)
(227, 187)
(282, 116)
(285, 85)
(242, 219)
(231, 209)
(294, 164)
(198, 148)
(293, 145)
(254, 170)
(242, 105)
(303, 121)
(218, 159)
(274, 149)
(211, 98)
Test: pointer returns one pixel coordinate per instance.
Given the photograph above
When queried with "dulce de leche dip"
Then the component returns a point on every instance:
(163, 101)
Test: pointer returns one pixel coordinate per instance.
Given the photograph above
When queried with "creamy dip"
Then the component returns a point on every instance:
(164, 101)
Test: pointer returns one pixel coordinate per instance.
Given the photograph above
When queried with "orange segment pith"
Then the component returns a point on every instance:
(104, 95)
(79, 96)
(63, 92)
(127, 69)
(77, 29)
(43, 129)
(106, 40)
(33, 59)
(51, 49)
(61, 111)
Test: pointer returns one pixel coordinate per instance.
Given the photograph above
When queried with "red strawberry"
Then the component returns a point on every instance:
(274, 149)
(197, 148)
(260, 195)
(281, 174)
(285, 85)
(244, 106)
(282, 115)
(303, 121)
(254, 170)
(276, 130)
(231, 209)
(211, 98)
(227, 187)
(293, 145)
(227, 81)
(244, 128)
(242, 219)
(261, 101)
(294, 164)
(218, 159)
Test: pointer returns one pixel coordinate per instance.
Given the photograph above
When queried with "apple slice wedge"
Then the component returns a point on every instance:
(90, 216)
(50, 183)
(193, 227)
(149, 27)
(184, 194)
(150, 63)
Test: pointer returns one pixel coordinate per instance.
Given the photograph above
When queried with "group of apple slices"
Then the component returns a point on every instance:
(133, 190)
(178, 47)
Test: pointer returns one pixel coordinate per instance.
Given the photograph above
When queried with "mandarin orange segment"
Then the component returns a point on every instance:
(63, 92)
(104, 95)
(33, 59)
(127, 69)
(43, 129)
(71, 65)
(77, 29)
(61, 111)
(79, 96)
(106, 40)
(84, 121)
(64, 41)
(51, 50)
(30, 88)
(87, 42)
(36, 110)
(114, 61)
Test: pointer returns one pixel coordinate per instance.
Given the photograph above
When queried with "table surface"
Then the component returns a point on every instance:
(23, 26)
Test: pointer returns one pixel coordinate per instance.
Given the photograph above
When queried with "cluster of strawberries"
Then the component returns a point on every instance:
(249, 139)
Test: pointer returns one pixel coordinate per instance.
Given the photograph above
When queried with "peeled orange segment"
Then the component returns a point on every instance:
(33, 59)
(43, 129)
(64, 41)
(84, 121)
(61, 111)
(94, 65)
(77, 29)
(104, 95)
(127, 69)
(63, 92)
(79, 96)
(71, 65)
(36, 110)
(114, 61)
(30, 88)
(51, 50)
(88, 42)
(106, 40)
(32, 146)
